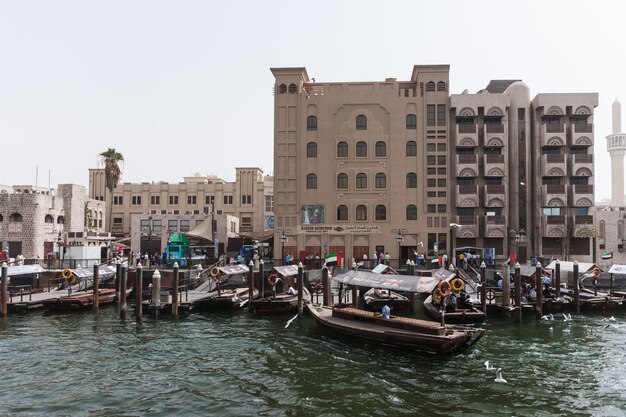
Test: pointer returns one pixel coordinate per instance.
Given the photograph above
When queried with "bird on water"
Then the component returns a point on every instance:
(499, 377)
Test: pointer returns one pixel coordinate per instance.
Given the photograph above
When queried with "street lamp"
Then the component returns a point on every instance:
(517, 237)
(452, 257)
(399, 238)
(283, 239)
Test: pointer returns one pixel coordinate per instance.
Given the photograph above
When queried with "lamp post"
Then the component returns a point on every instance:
(399, 238)
(452, 257)
(283, 239)
(517, 237)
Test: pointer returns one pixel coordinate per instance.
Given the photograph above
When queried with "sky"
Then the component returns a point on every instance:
(180, 87)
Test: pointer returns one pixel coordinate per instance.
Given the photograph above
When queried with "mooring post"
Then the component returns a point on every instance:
(118, 279)
(506, 285)
(261, 278)
(155, 302)
(518, 292)
(557, 278)
(300, 288)
(611, 285)
(539, 289)
(96, 285)
(326, 285)
(123, 279)
(483, 287)
(4, 299)
(251, 282)
(576, 288)
(175, 290)
(138, 291)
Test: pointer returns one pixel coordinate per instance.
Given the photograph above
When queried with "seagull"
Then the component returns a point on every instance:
(488, 366)
(551, 328)
(546, 317)
(499, 377)
(612, 318)
(290, 320)
(567, 317)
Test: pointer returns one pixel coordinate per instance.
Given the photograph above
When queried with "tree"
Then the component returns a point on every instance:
(112, 174)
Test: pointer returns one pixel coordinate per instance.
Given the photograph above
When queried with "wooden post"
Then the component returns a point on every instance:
(175, 290)
(557, 278)
(251, 282)
(506, 285)
(124, 276)
(4, 296)
(118, 274)
(483, 287)
(138, 291)
(518, 293)
(539, 289)
(155, 301)
(611, 285)
(576, 289)
(326, 284)
(96, 285)
(262, 279)
(300, 287)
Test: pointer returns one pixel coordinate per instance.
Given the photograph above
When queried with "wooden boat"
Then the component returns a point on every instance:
(227, 299)
(375, 299)
(470, 314)
(80, 300)
(418, 335)
(279, 304)
(590, 301)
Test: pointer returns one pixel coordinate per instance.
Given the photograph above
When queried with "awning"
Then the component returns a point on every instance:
(103, 270)
(567, 266)
(405, 283)
(260, 236)
(618, 269)
(202, 230)
(287, 270)
(233, 269)
(15, 270)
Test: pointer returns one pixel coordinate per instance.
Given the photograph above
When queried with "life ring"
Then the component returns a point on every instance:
(436, 298)
(68, 276)
(319, 289)
(273, 279)
(491, 295)
(444, 289)
(457, 285)
(215, 271)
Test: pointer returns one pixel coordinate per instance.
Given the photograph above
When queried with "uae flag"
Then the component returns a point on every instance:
(435, 260)
(607, 255)
(333, 259)
(512, 259)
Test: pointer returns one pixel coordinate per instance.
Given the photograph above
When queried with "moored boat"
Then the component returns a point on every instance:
(375, 299)
(80, 300)
(466, 314)
(418, 335)
(278, 304)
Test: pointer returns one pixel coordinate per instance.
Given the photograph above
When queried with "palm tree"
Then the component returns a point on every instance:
(112, 174)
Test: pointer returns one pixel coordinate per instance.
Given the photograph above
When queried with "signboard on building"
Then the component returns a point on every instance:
(343, 228)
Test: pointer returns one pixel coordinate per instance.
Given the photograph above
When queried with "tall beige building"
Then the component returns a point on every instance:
(361, 167)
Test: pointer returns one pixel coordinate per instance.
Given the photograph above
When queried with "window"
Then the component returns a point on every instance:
(411, 212)
(431, 182)
(431, 160)
(155, 200)
(118, 200)
(381, 148)
(441, 160)
(136, 200)
(430, 147)
(361, 149)
(430, 115)
(411, 148)
(361, 122)
(48, 219)
(361, 212)
(144, 225)
(173, 199)
(431, 208)
(342, 180)
(441, 114)
(342, 150)
(441, 170)
(441, 86)
(441, 208)
(311, 181)
(381, 212)
(342, 212)
(430, 86)
(191, 199)
(311, 123)
(172, 226)
(579, 181)
(269, 203)
(431, 171)
(228, 199)
(381, 180)
(311, 150)
(15, 217)
(582, 211)
(282, 88)
(552, 211)
(441, 147)
(441, 182)
(411, 180)
(411, 121)
(157, 225)
(117, 222)
(184, 225)
(361, 180)
(293, 88)
(246, 199)
(246, 224)
(209, 199)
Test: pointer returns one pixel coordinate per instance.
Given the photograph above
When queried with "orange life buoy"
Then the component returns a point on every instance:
(444, 289)
(273, 279)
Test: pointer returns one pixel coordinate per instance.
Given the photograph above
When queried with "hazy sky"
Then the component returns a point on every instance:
(184, 86)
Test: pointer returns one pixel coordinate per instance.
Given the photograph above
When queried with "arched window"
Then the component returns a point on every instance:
(381, 212)
(342, 180)
(361, 180)
(311, 150)
(293, 88)
(361, 122)
(282, 88)
(48, 219)
(411, 180)
(60, 220)
(411, 212)
(430, 86)
(411, 148)
(602, 231)
(441, 86)
(15, 217)
(342, 150)
(342, 212)
(361, 149)
(311, 123)
(311, 181)
(411, 121)
(381, 148)
(361, 212)
(381, 180)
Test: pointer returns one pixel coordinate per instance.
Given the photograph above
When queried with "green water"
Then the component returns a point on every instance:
(89, 364)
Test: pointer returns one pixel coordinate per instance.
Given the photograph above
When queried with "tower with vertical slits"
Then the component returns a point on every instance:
(616, 145)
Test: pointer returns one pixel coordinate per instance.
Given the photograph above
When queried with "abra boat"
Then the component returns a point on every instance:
(226, 299)
(279, 303)
(418, 335)
(469, 314)
(80, 300)
(375, 299)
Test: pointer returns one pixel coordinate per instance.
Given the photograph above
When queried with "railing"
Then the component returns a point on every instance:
(494, 189)
(555, 219)
(583, 158)
(555, 189)
(495, 219)
(588, 128)
(467, 159)
(467, 128)
(583, 219)
(470, 220)
(467, 189)
(555, 128)
(494, 128)
(555, 158)
(583, 189)
(494, 159)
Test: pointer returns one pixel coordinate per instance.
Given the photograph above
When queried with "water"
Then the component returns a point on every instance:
(231, 364)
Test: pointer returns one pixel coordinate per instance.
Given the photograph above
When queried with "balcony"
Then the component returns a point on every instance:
(493, 161)
(580, 162)
(495, 192)
(469, 226)
(551, 131)
(464, 162)
(492, 130)
(463, 192)
(579, 194)
(582, 130)
(551, 192)
(553, 226)
(495, 226)
(553, 165)
(583, 226)
(466, 130)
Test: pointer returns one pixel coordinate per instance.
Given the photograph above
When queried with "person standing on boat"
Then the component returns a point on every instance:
(386, 312)
(387, 258)
(292, 291)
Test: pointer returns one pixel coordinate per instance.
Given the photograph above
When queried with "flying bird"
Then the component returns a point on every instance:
(290, 320)
(488, 366)
(499, 377)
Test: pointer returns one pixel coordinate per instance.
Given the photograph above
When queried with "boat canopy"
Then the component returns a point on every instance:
(103, 270)
(567, 266)
(233, 269)
(618, 269)
(404, 283)
(287, 270)
(15, 270)
(527, 271)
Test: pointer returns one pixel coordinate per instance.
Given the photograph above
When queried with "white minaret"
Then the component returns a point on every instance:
(616, 145)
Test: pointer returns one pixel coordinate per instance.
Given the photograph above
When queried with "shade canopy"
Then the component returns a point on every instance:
(404, 283)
